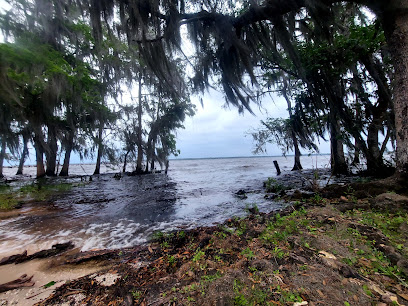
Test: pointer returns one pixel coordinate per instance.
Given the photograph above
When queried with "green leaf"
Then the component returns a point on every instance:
(50, 284)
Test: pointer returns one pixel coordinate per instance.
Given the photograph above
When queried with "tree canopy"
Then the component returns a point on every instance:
(342, 61)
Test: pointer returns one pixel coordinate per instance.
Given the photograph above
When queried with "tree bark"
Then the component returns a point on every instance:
(356, 159)
(39, 153)
(395, 21)
(338, 162)
(297, 165)
(67, 156)
(100, 150)
(2, 156)
(139, 131)
(125, 161)
(374, 158)
(52, 150)
(23, 155)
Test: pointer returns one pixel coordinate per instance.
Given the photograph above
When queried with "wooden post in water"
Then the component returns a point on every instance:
(277, 167)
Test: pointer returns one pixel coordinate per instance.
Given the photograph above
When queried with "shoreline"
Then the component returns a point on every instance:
(252, 250)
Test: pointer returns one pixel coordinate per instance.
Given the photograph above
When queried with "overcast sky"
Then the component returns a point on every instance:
(216, 131)
(220, 131)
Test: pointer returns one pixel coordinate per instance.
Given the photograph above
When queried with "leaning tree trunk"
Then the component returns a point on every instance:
(395, 22)
(51, 152)
(23, 155)
(2, 156)
(338, 162)
(139, 131)
(67, 157)
(39, 153)
(100, 150)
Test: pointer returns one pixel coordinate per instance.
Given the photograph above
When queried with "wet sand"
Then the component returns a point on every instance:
(44, 271)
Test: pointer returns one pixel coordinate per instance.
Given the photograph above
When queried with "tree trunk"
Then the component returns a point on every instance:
(356, 159)
(2, 156)
(52, 150)
(100, 150)
(139, 131)
(297, 165)
(67, 157)
(395, 21)
(375, 162)
(39, 152)
(150, 150)
(338, 162)
(23, 155)
(125, 161)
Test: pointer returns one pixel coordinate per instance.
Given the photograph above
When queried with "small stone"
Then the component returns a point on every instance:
(301, 303)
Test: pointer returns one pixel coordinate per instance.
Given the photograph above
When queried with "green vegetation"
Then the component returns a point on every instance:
(10, 197)
(272, 185)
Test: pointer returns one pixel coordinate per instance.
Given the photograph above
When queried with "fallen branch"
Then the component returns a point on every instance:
(23, 281)
(91, 255)
(55, 250)
(13, 258)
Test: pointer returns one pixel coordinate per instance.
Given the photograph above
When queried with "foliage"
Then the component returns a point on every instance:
(272, 185)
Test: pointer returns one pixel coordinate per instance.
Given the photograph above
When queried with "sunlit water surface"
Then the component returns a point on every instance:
(113, 213)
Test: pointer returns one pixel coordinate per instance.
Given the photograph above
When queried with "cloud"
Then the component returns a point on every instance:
(220, 131)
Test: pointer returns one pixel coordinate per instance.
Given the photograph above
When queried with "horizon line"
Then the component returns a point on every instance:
(194, 158)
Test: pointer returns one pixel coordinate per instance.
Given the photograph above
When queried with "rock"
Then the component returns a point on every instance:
(348, 272)
(403, 265)
(389, 298)
(390, 201)
(240, 192)
(271, 196)
(107, 279)
(325, 254)
(390, 252)
(343, 199)
(304, 303)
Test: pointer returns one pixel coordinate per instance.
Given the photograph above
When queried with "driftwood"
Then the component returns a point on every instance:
(91, 255)
(55, 250)
(13, 258)
(278, 172)
(23, 281)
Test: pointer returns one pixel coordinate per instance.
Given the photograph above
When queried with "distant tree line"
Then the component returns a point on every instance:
(340, 65)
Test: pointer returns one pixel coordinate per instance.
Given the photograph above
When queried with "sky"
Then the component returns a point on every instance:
(220, 131)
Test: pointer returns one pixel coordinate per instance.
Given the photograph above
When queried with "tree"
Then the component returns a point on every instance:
(229, 38)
